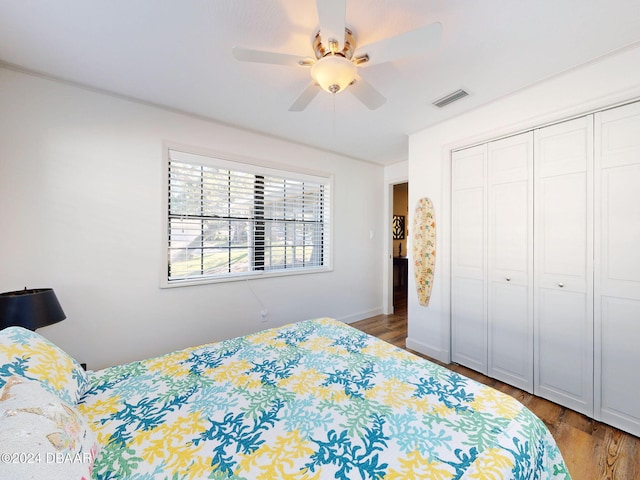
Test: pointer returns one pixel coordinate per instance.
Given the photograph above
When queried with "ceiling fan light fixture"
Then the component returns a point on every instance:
(333, 73)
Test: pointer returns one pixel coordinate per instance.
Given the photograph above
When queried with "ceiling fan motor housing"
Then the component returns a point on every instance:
(330, 45)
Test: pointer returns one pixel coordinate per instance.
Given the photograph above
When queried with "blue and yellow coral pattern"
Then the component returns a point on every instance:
(24, 353)
(312, 400)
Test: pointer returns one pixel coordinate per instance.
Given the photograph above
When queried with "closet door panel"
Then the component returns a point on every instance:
(561, 149)
(469, 325)
(563, 264)
(564, 224)
(509, 231)
(621, 230)
(620, 376)
(617, 274)
(469, 346)
(468, 259)
(564, 352)
(469, 244)
(509, 334)
(468, 168)
(510, 260)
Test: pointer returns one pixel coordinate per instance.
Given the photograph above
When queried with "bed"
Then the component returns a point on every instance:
(316, 399)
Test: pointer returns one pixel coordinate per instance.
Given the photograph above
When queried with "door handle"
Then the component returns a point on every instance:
(508, 279)
(561, 284)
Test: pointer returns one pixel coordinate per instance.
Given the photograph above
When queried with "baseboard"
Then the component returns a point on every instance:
(361, 316)
(429, 351)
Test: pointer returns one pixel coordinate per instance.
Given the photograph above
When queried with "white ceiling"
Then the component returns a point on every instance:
(178, 54)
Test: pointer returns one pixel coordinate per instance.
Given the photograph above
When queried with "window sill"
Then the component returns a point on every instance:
(244, 276)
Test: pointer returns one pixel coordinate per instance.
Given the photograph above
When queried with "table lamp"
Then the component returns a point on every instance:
(31, 309)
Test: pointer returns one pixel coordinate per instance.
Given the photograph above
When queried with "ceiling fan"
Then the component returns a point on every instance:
(337, 56)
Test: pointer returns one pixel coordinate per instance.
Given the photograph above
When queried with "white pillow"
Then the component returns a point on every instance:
(41, 437)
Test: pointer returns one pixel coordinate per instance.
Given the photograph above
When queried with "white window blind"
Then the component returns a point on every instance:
(229, 219)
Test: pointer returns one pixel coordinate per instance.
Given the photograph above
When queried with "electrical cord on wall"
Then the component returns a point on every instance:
(263, 309)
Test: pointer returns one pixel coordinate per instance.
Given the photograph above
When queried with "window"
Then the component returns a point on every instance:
(229, 220)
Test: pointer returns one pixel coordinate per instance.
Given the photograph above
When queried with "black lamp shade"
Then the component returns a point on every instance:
(30, 309)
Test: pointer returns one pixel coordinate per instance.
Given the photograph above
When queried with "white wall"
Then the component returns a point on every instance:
(80, 211)
(610, 80)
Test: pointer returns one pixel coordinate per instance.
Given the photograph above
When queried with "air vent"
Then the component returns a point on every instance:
(452, 97)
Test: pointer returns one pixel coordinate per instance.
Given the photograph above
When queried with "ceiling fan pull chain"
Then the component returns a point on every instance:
(334, 114)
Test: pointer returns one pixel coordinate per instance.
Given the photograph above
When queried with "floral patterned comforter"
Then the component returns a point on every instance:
(312, 400)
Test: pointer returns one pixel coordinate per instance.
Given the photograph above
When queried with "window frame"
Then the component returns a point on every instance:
(249, 165)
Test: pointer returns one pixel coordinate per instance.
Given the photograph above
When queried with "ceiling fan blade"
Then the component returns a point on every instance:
(365, 92)
(305, 98)
(260, 56)
(331, 14)
(404, 45)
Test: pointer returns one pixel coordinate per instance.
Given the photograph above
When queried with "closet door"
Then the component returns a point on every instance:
(468, 259)
(510, 260)
(617, 267)
(563, 312)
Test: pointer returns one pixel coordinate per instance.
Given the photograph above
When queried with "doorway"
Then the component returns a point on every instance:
(400, 234)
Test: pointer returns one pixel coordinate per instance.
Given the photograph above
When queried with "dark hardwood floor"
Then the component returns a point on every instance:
(591, 450)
